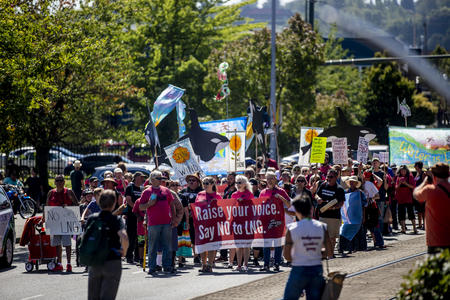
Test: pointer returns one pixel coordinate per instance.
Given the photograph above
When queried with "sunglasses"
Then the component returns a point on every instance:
(192, 180)
(330, 176)
(239, 182)
(59, 180)
(208, 183)
(159, 178)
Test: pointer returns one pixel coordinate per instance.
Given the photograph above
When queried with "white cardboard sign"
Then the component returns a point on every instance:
(62, 220)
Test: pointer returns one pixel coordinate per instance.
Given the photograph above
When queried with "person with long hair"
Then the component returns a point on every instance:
(404, 186)
(209, 195)
(243, 193)
(372, 212)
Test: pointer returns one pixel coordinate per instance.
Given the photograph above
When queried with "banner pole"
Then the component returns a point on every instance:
(235, 154)
(156, 158)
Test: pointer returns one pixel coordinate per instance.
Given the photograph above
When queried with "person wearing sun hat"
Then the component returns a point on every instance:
(77, 178)
(187, 196)
(351, 235)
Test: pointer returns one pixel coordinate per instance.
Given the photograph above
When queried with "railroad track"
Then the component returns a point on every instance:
(385, 264)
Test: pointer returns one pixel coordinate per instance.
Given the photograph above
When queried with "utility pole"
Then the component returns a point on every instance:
(311, 13)
(306, 11)
(273, 101)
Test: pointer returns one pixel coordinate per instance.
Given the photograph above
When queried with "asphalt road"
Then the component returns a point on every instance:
(16, 283)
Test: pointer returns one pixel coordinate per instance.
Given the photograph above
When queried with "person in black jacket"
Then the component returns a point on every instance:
(104, 279)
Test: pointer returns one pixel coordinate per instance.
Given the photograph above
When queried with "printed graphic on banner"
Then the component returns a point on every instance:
(306, 137)
(62, 220)
(363, 150)
(235, 152)
(182, 159)
(408, 145)
(219, 164)
(318, 148)
(231, 223)
(340, 152)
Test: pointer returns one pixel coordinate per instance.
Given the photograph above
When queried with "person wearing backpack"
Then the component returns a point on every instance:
(104, 243)
(435, 192)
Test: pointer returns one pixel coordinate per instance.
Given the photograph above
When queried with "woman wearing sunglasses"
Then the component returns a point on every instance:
(243, 193)
(209, 195)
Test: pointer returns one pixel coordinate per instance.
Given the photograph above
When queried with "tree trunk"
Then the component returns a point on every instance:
(42, 166)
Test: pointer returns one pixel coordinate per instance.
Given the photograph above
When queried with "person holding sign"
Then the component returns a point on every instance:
(274, 193)
(243, 193)
(330, 192)
(209, 195)
(61, 196)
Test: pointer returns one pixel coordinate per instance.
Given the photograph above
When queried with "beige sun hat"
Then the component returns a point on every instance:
(354, 179)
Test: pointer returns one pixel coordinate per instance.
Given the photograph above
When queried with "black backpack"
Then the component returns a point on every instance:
(94, 246)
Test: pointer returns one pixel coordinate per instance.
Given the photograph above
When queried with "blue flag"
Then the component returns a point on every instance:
(181, 114)
(165, 103)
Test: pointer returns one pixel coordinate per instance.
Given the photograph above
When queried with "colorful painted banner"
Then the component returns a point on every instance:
(231, 223)
(235, 151)
(62, 220)
(340, 151)
(306, 137)
(219, 164)
(183, 159)
(318, 148)
(363, 150)
(408, 145)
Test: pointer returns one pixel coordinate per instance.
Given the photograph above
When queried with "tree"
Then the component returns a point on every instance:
(299, 53)
(63, 71)
(170, 41)
(383, 84)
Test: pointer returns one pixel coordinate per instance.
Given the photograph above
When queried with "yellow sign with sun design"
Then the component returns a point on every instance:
(310, 135)
(181, 155)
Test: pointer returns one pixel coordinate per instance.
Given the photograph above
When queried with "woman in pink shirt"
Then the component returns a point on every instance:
(208, 195)
(243, 193)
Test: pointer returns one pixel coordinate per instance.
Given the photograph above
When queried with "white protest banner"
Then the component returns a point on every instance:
(235, 151)
(384, 157)
(340, 152)
(363, 150)
(183, 159)
(307, 134)
(62, 220)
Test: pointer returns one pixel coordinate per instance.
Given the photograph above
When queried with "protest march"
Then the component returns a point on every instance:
(215, 207)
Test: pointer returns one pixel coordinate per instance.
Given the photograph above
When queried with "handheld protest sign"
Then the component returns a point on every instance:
(62, 220)
(318, 148)
(340, 152)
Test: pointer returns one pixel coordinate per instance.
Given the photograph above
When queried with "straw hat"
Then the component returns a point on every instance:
(77, 164)
(354, 179)
(108, 179)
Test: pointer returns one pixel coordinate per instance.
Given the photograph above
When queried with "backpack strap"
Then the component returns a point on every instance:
(444, 189)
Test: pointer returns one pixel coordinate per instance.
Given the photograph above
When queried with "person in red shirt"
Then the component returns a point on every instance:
(158, 200)
(274, 193)
(404, 186)
(435, 192)
(243, 193)
(208, 195)
(61, 196)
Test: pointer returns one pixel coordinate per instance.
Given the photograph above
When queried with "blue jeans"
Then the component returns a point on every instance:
(379, 241)
(159, 237)
(308, 278)
(266, 253)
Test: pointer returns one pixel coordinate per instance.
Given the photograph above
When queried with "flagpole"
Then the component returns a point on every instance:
(235, 156)
(156, 158)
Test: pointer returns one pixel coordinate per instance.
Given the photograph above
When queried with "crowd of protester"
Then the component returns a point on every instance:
(379, 195)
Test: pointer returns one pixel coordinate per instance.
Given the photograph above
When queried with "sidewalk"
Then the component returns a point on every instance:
(272, 287)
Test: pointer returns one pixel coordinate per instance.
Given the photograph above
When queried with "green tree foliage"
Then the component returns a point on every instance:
(62, 72)
(383, 84)
(430, 280)
(299, 53)
(170, 40)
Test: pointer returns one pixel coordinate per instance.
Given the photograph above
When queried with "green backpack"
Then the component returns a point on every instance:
(94, 246)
